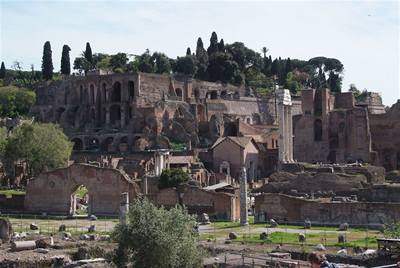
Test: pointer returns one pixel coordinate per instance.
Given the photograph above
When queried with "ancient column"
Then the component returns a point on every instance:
(123, 208)
(243, 197)
(285, 127)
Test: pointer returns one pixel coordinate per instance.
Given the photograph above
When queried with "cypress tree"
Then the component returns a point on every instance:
(47, 62)
(221, 46)
(2, 70)
(88, 53)
(213, 48)
(65, 62)
(188, 52)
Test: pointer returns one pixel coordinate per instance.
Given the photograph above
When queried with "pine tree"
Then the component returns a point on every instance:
(188, 52)
(65, 62)
(221, 46)
(213, 48)
(2, 70)
(288, 66)
(47, 62)
(88, 53)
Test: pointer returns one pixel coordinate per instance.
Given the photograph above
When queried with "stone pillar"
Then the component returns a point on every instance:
(108, 116)
(145, 185)
(243, 197)
(285, 127)
(122, 111)
(123, 208)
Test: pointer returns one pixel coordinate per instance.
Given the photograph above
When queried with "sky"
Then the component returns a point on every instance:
(363, 35)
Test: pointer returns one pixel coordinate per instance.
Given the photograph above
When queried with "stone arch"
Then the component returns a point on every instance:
(179, 93)
(92, 143)
(51, 191)
(115, 114)
(131, 90)
(105, 145)
(248, 120)
(78, 144)
(318, 130)
(116, 92)
(123, 144)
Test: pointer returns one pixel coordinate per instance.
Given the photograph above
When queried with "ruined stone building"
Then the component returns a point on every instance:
(137, 111)
(334, 128)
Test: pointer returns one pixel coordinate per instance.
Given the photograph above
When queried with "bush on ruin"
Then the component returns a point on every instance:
(172, 178)
(157, 237)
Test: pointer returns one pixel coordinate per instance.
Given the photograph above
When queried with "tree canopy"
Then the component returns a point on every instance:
(172, 178)
(41, 146)
(2, 70)
(15, 101)
(157, 237)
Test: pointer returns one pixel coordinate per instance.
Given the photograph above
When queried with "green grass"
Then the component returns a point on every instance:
(178, 146)
(9, 193)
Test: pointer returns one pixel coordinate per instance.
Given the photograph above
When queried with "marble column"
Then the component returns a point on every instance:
(123, 208)
(243, 197)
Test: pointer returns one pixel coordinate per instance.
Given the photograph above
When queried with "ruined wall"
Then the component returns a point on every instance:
(328, 134)
(385, 132)
(217, 205)
(12, 203)
(280, 207)
(51, 191)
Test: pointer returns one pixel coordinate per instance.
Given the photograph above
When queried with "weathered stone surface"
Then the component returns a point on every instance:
(5, 230)
(33, 226)
(232, 235)
(92, 228)
(273, 223)
(204, 218)
(307, 224)
(51, 191)
(343, 226)
(319, 247)
(341, 238)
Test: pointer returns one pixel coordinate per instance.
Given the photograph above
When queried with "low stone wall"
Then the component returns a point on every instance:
(283, 207)
(11, 203)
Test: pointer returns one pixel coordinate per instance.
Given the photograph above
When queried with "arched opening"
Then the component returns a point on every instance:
(123, 144)
(104, 93)
(248, 120)
(106, 145)
(179, 93)
(196, 94)
(80, 204)
(213, 95)
(78, 144)
(256, 119)
(59, 113)
(115, 115)
(318, 130)
(131, 90)
(116, 92)
(91, 92)
(92, 144)
(223, 94)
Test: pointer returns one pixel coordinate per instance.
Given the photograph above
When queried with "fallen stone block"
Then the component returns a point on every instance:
(23, 245)
(33, 226)
(232, 235)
